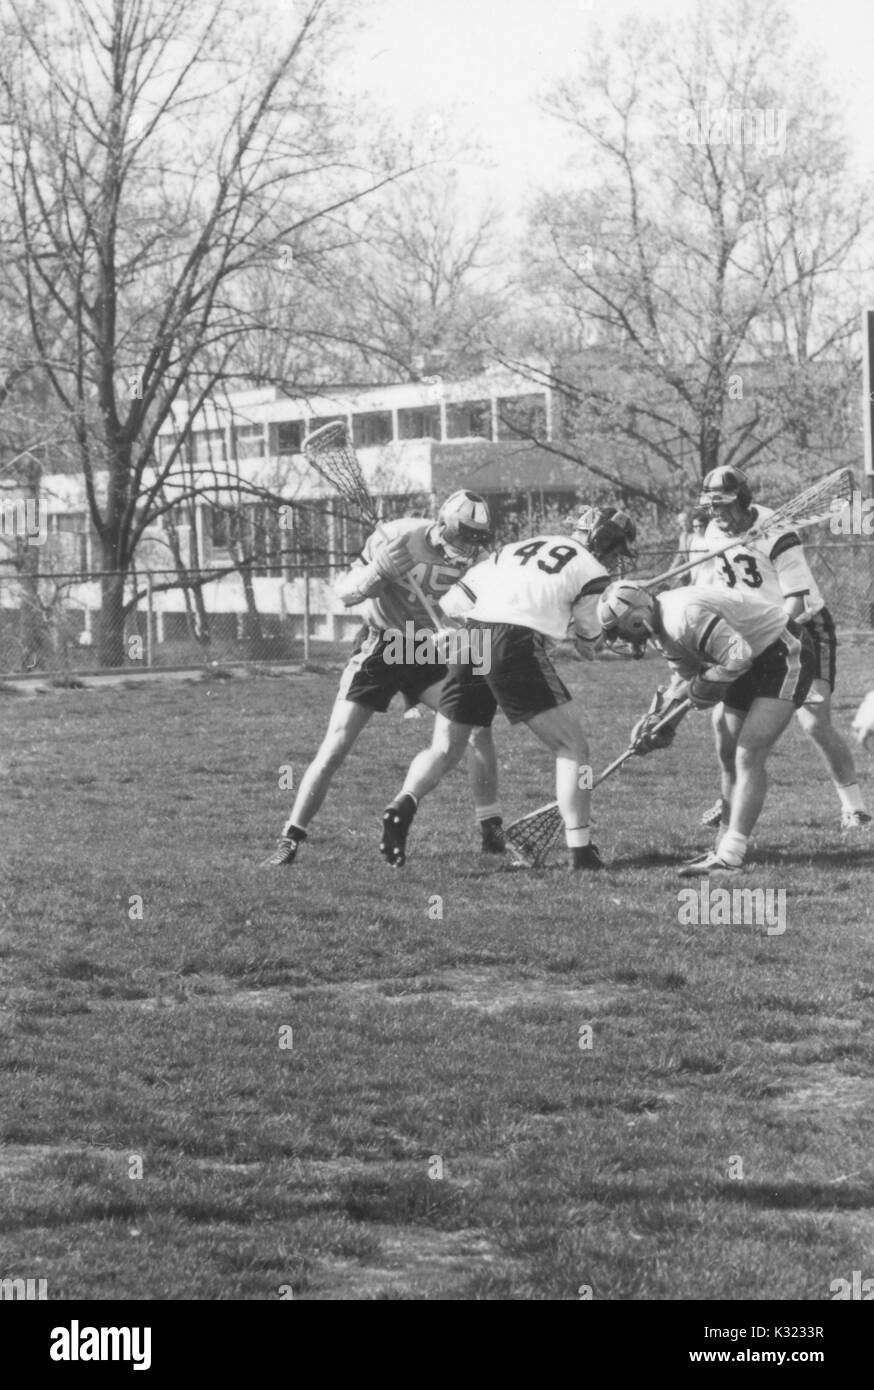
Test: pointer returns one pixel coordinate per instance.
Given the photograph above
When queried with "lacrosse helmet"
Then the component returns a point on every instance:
(627, 614)
(607, 534)
(463, 526)
(727, 495)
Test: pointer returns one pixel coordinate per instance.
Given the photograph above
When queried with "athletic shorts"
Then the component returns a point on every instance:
(783, 671)
(372, 681)
(822, 631)
(465, 698)
(521, 678)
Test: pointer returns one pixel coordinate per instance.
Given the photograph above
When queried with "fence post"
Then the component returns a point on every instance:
(149, 619)
(306, 615)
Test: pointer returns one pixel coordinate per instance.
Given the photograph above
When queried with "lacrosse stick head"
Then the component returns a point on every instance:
(329, 451)
(607, 533)
(334, 435)
(627, 613)
(727, 495)
(463, 527)
(530, 839)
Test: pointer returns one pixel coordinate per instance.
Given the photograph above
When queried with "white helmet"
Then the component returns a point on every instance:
(627, 612)
(463, 526)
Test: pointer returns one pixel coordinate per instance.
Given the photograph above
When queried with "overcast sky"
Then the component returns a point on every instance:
(484, 61)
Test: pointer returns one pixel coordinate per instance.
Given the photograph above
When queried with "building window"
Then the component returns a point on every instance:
(371, 428)
(289, 436)
(522, 417)
(320, 420)
(249, 441)
(419, 424)
(469, 420)
(267, 540)
(225, 527)
(208, 446)
(309, 537)
(166, 445)
(72, 551)
(350, 534)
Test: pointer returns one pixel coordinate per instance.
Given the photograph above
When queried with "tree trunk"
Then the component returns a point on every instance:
(110, 645)
(32, 630)
(252, 623)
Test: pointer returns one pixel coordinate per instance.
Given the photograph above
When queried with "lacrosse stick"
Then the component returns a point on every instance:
(329, 451)
(816, 503)
(530, 839)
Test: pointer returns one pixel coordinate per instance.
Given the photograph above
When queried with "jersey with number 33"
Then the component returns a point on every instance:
(546, 583)
(770, 569)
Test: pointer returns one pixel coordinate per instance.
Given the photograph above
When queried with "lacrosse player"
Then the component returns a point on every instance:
(529, 591)
(748, 657)
(775, 570)
(434, 555)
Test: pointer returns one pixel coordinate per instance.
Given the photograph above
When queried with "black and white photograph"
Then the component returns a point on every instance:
(437, 662)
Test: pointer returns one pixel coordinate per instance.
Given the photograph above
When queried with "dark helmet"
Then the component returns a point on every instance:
(608, 534)
(727, 495)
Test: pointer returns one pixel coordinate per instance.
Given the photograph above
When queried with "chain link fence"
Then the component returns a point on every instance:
(54, 623)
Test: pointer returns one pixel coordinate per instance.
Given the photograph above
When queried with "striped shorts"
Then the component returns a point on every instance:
(822, 630)
(784, 671)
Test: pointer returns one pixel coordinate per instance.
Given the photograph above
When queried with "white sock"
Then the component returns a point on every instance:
(732, 847)
(577, 837)
(851, 797)
(487, 812)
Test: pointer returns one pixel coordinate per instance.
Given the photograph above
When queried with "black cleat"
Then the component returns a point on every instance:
(396, 821)
(713, 816)
(284, 853)
(584, 857)
(493, 836)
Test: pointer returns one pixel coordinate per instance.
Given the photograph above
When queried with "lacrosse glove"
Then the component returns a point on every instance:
(644, 738)
(705, 694)
(392, 559)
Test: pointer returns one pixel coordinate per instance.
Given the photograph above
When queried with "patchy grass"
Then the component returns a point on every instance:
(713, 1142)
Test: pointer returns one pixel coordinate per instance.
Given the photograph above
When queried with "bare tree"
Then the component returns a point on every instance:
(694, 290)
(411, 283)
(153, 152)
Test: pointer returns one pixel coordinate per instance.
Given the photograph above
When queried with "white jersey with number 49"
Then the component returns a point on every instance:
(547, 583)
(770, 569)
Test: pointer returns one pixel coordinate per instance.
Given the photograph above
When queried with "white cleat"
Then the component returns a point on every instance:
(707, 865)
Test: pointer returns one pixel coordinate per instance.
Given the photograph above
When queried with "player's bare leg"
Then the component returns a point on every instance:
(761, 729)
(816, 721)
(425, 772)
(563, 734)
(727, 724)
(346, 723)
(482, 767)
(428, 768)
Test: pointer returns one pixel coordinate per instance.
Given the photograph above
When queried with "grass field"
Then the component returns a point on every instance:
(715, 1141)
